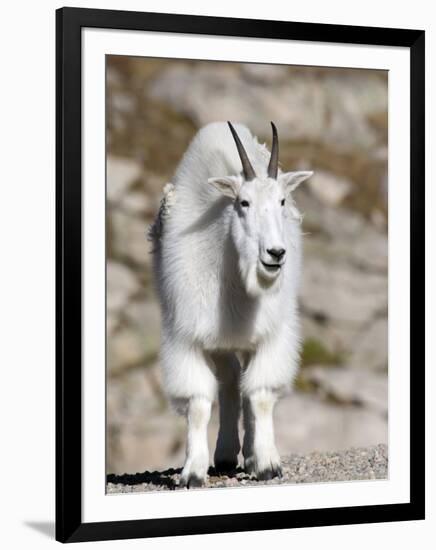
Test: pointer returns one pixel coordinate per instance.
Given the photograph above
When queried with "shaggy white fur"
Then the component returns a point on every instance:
(227, 259)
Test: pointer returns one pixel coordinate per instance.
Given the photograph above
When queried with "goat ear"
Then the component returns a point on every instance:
(228, 185)
(291, 180)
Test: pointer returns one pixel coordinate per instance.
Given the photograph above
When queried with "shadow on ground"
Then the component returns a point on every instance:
(46, 528)
(167, 479)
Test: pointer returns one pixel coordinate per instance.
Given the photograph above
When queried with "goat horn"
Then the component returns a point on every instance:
(249, 173)
(273, 165)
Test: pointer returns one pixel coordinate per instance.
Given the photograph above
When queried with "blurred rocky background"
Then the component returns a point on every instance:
(333, 121)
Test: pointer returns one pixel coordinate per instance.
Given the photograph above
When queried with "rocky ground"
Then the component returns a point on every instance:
(351, 465)
(331, 121)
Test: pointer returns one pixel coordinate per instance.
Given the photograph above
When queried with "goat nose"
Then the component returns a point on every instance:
(277, 253)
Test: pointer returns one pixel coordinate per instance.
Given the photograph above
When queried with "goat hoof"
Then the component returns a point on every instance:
(225, 466)
(270, 473)
(249, 466)
(191, 482)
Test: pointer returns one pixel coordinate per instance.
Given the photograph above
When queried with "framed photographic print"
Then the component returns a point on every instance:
(240, 275)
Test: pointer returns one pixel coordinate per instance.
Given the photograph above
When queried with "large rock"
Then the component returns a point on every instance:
(323, 107)
(143, 316)
(370, 347)
(265, 75)
(129, 239)
(142, 431)
(138, 203)
(337, 292)
(137, 340)
(329, 188)
(350, 386)
(126, 348)
(121, 285)
(304, 423)
(336, 338)
(340, 234)
(121, 174)
(134, 343)
(344, 294)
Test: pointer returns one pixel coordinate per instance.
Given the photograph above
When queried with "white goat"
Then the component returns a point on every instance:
(227, 258)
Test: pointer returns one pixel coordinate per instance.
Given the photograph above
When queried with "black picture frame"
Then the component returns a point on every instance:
(69, 23)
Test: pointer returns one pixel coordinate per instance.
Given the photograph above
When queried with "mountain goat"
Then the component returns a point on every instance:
(227, 260)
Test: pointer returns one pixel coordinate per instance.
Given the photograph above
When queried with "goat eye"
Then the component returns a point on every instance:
(245, 204)
(282, 202)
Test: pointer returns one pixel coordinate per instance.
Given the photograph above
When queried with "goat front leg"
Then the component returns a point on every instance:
(268, 373)
(260, 454)
(194, 472)
(190, 382)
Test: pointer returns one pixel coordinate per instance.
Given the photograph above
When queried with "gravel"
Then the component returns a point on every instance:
(349, 465)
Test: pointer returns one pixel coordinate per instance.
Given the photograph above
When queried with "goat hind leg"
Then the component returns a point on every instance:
(227, 445)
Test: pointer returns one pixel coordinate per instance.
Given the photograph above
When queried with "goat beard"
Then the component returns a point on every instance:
(256, 285)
